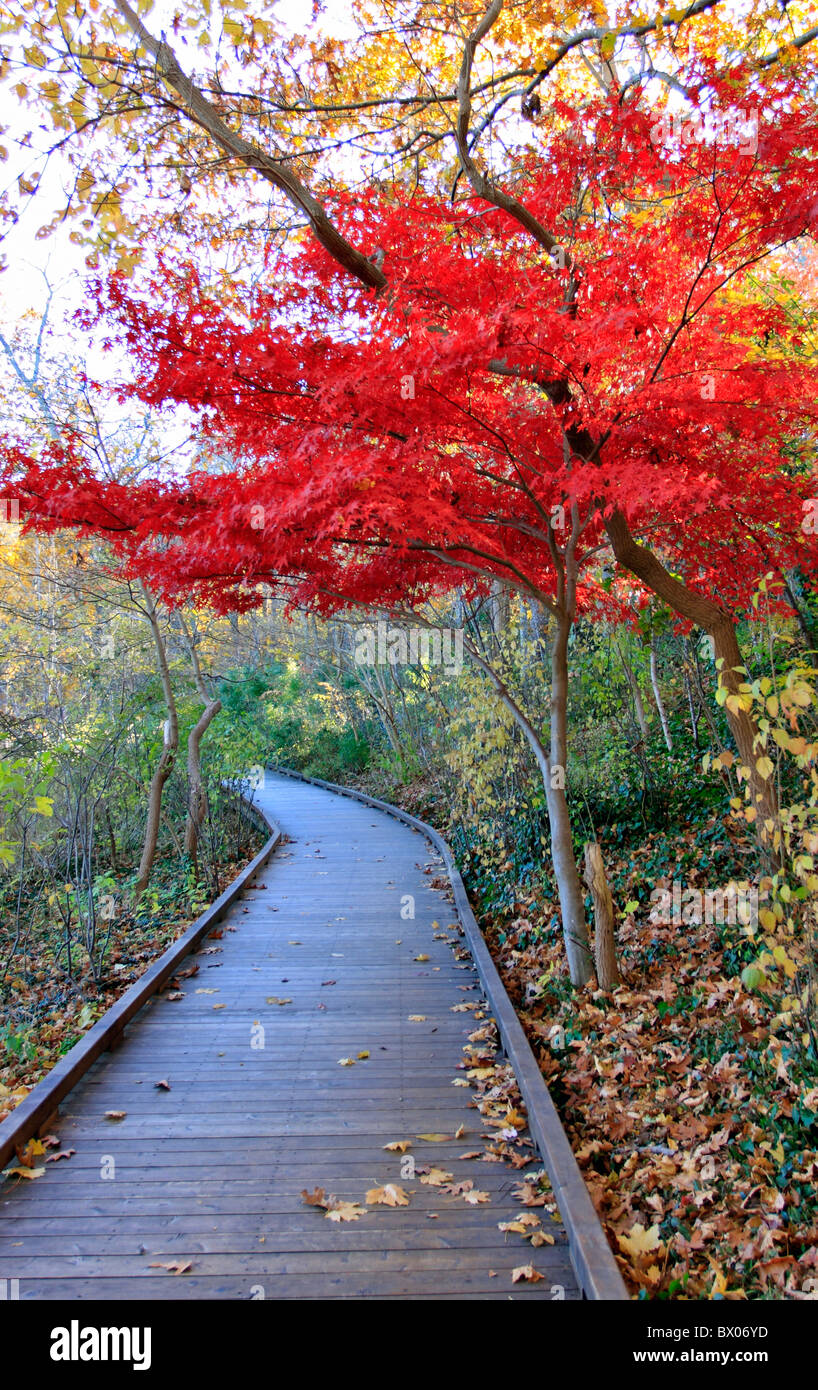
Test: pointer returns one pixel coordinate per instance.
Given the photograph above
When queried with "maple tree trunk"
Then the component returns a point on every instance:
(167, 760)
(607, 969)
(706, 614)
(552, 769)
(572, 898)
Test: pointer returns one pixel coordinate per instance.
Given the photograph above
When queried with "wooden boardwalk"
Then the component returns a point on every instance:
(209, 1173)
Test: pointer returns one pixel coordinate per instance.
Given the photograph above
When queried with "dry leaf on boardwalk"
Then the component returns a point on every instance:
(333, 1207)
(437, 1177)
(390, 1195)
(344, 1211)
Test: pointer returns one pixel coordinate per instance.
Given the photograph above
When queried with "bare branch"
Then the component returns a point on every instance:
(208, 119)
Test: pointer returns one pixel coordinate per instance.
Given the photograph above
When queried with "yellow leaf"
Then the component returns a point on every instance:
(388, 1196)
(781, 958)
(638, 1241)
(436, 1177)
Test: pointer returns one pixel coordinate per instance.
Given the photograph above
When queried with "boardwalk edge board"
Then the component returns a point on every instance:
(33, 1113)
(591, 1256)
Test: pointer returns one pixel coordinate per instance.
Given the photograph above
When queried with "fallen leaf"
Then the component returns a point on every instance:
(27, 1153)
(399, 1146)
(162, 1085)
(388, 1196)
(345, 1211)
(526, 1272)
(64, 1153)
(436, 1177)
(115, 1114)
(23, 1172)
(173, 1267)
(638, 1241)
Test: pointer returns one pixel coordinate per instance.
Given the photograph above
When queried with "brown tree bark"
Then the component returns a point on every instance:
(607, 968)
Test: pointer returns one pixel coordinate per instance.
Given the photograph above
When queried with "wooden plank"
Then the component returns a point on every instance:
(595, 1265)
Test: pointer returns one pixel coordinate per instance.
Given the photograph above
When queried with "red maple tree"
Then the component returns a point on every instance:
(585, 360)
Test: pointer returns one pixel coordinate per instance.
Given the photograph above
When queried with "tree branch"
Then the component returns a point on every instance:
(208, 119)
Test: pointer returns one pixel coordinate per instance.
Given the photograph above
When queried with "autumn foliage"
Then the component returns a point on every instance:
(380, 446)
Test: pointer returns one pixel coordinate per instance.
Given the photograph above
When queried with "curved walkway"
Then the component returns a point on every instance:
(209, 1173)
